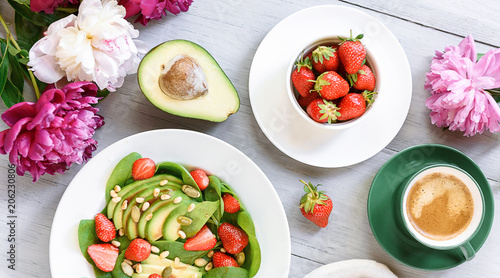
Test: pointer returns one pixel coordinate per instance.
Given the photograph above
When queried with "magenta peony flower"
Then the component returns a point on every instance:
(153, 9)
(458, 84)
(51, 134)
(48, 6)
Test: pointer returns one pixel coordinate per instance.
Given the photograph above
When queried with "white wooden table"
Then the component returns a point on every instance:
(231, 31)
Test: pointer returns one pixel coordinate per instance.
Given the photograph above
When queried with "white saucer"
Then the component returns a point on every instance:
(291, 133)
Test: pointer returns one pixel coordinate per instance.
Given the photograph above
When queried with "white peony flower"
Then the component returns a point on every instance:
(97, 45)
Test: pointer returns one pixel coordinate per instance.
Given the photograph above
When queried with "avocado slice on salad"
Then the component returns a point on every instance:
(182, 78)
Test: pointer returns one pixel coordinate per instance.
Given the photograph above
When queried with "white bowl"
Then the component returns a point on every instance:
(293, 93)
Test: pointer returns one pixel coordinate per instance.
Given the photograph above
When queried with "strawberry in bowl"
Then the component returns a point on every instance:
(337, 84)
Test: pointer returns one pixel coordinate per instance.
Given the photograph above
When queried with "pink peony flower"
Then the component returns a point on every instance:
(53, 133)
(48, 6)
(153, 9)
(458, 84)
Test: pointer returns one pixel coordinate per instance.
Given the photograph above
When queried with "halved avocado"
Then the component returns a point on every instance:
(182, 78)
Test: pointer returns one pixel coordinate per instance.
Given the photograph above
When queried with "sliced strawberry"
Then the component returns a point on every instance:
(201, 178)
(233, 238)
(202, 241)
(231, 204)
(154, 275)
(104, 228)
(143, 168)
(221, 260)
(104, 256)
(138, 250)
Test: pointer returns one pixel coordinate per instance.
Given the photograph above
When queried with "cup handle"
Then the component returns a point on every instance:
(468, 251)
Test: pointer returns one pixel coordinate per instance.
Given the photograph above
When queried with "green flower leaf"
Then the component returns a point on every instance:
(4, 65)
(27, 33)
(11, 94)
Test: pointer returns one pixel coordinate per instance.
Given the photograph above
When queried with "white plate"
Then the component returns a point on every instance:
(291, 133)
(84, 196)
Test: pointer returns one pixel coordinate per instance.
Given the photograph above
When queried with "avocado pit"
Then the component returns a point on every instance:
(182, 78)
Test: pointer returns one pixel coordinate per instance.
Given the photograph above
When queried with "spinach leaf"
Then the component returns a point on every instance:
(201, 213)
(121, 173)
(178, 170)
(117, 271)
(252, 251)
(227, 272)
(87, 237)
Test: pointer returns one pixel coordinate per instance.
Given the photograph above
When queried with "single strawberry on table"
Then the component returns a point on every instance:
(352, 53)
(363, 80)
(104, 256)
(221, 260)
(303, 77)
(315, 205)
(354, 105)
(322, 111)
(104, 228)
(143, 168)
(138, 250)
(231, 204)
(330, 85)
(202, 241)
(234, 239)
(325, 58)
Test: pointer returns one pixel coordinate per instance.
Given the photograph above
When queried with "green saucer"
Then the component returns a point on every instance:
(390, 232)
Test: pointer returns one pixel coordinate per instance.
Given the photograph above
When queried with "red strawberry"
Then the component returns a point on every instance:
(154, 275)
(202, 241)
(325, 58)
(352, 53)
(233, 238)
(363, 79)
(138, 250)
(331, 85)
(322, 111)
(304, 101)
(143, 168)
(353, 105)
(104, 228)
(303, 77)
(221, 260)
(201, 178)
(104, 256)
(315, 205)
(231, 204)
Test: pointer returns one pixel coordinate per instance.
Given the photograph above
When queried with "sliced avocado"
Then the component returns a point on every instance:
(171, 226)
(155, 264)
(182, 78)
(154, 227)
(155, 179)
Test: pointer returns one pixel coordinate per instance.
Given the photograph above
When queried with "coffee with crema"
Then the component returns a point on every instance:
(440, 206)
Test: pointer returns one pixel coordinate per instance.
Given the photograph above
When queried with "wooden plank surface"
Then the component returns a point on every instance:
(232, 31)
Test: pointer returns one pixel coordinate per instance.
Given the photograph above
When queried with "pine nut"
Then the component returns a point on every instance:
(155, 249)
(149, 216)
(163, 182)
(138, 268)
(127, 261)
(200, 262)
(139, 200)
(121, 232)
(181, 234)
(164, 254)
(127, 269)
(164, 197)
(124, 204)
(156, 192)
(223, 250)
(191, 207)
(145, 206)
(113, 194)
(116, 199)
(117, 188)
(209, 266)
(177, 260)
(178, 200)
(210, 253)
(116, 243)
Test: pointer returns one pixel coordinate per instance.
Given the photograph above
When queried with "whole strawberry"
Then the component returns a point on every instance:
(303, 77)
(325, 58)
(304, 101)
(104, 228)
(322, 111)
(352, 53)
(234, 239)
(143, 168)
(353, 105)
(104, 256)
(221, 260)
(315, 205)
(363, 79)
(138, 250)
(330, 85)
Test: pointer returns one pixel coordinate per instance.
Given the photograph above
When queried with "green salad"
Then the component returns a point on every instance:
(163, 220)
